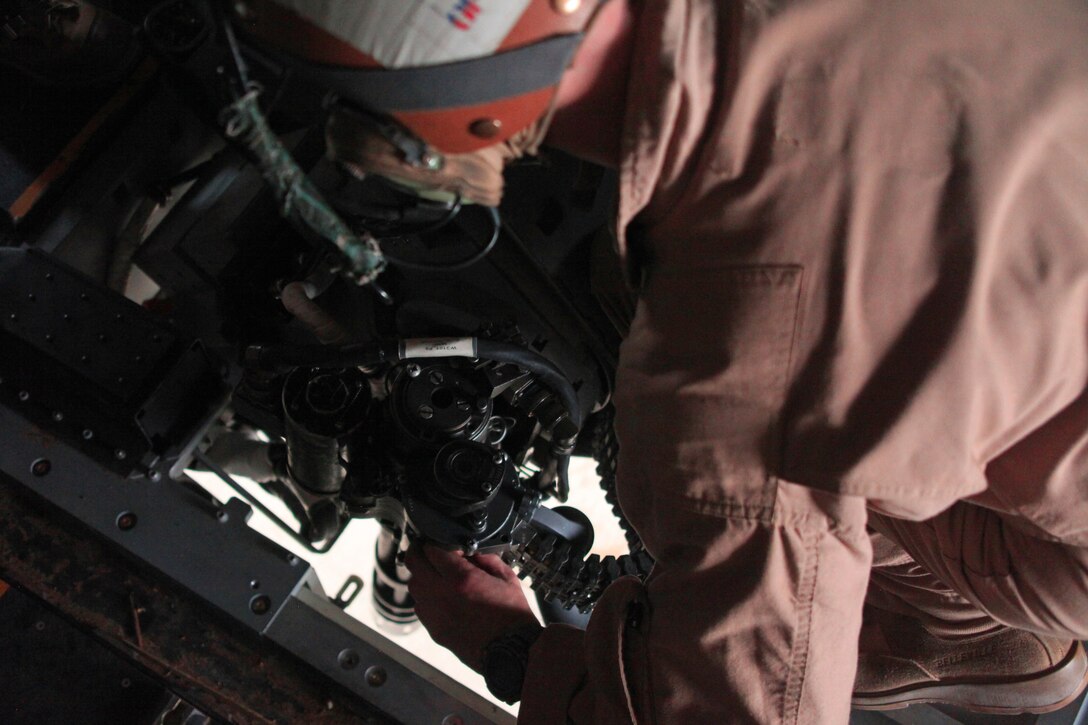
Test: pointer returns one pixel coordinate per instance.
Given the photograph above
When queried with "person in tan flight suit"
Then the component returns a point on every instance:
(852, 406)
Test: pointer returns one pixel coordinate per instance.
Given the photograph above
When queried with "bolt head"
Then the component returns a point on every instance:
(120, 454)
(425, 412)
(126, 521)
(485, 127)
(23, 396)
(348, 659)
(88, 434)
(376, 676)
(260, 604)
(413, 370)
(435, 377)
(432, 161)
(41, 467)
(58, 417)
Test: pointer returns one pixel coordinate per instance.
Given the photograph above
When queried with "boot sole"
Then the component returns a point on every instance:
(1034, 695)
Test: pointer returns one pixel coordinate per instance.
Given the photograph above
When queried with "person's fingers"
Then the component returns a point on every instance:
(448, 564)
(493, 565)
(418, 564)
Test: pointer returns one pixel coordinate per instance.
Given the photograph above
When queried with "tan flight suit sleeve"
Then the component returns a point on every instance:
(761, 628)
(753, 609)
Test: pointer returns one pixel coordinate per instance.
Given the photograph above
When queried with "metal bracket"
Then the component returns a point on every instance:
(212, 552)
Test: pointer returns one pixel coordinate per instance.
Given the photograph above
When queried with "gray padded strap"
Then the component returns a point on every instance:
(464, 83)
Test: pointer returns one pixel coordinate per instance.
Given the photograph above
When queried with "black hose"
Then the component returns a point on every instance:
(536, 363)
(458, 265)
(562, 473)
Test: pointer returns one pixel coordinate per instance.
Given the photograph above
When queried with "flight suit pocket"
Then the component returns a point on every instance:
(703, 376)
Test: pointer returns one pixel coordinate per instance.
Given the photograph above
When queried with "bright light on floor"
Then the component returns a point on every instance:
(353, 555)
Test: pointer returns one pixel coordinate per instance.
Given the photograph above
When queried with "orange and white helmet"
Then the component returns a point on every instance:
(459, 75)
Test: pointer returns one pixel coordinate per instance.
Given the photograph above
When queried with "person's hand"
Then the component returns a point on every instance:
(465, 601)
